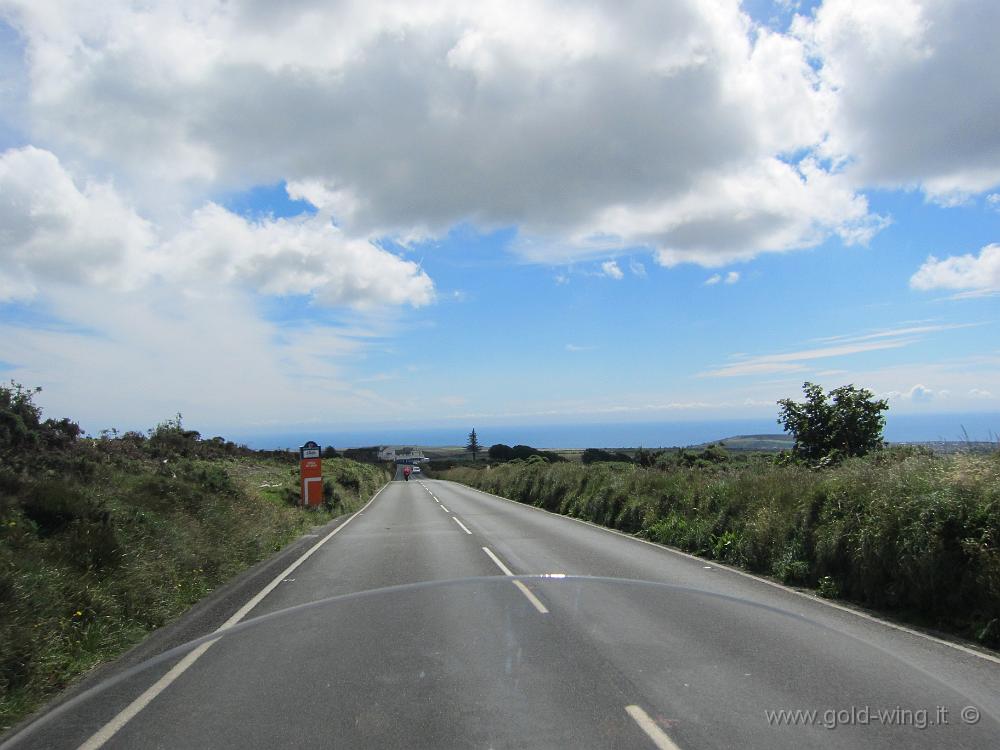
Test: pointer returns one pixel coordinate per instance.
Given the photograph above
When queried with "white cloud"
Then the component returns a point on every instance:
(405, 118)
(611, 270)
(920, 394)
(578, 348)
(971, 274)
(792, 361)
(979, 393)
(900, 331)
(993, 201)
(730, 278)
(53, 232)
(911, 101)
(637, 268)
(304, 255)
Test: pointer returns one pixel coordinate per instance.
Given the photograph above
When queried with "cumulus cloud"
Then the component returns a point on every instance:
(53, 231)
(408, 117)
(919, 394)
(980, 393)
(714, 279)
(971, 275)
(732, 277)
(611, 270)
(913, 99)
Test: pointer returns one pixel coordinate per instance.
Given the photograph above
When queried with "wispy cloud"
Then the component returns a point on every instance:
(578, 348)
(730, 278)
(792, 361)
(897, 332)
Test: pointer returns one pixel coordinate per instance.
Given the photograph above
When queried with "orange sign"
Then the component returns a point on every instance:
(311, 474)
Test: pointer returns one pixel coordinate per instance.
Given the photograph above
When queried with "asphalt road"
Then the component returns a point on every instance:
(697, 662)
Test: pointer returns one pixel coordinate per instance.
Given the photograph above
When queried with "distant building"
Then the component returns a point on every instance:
(405, 455)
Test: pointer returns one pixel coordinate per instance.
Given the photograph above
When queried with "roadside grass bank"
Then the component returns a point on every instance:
(103, 541)
(901, 530)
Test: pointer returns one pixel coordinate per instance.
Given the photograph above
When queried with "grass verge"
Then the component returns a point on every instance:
(902, 530)
(111, 542)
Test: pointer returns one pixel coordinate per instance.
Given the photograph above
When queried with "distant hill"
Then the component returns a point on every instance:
(746, 443)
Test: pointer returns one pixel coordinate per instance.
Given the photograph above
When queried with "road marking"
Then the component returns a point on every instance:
(445, 509)
(106, 732)
(811, 597)
(651, 728)
(462, 525)
(528, 593)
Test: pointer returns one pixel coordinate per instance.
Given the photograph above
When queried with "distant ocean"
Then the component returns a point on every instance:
(900, 428)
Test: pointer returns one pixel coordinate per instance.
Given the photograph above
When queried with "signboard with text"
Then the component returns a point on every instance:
(311, 474)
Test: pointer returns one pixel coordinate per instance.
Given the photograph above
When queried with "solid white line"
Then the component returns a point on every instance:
(535, 601)
(811, 597)
(445, 509)
(652, 730)
(461, 524)
(106, 732)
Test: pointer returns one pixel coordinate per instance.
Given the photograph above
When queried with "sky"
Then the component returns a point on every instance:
(271, 216)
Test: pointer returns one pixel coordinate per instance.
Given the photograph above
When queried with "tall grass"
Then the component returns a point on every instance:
(92, 561)
(900, 530)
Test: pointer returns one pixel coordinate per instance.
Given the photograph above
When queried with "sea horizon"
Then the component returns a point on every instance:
(903, 428)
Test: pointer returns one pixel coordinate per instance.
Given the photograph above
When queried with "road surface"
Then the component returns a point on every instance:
(548, 662)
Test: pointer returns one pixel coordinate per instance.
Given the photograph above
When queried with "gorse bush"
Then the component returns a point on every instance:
(900, 529)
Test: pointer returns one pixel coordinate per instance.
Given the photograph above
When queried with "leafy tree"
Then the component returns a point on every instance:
(846, 422)
(330, 452)
(473, 445)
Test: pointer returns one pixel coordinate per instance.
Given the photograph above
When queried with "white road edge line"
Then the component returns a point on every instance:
(528, 593)
(651, 728)
(108, 731)
(751, 576)
(461, 524)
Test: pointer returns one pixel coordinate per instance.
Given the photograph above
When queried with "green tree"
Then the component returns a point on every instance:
(501, 452)
(846, 422)
(473, 445)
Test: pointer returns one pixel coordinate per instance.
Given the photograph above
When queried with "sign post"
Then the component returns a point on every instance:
(311, 474)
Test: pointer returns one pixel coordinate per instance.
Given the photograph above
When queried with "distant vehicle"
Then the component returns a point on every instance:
(416, 469)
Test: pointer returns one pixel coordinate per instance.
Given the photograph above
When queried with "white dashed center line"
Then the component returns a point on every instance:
(535, 601)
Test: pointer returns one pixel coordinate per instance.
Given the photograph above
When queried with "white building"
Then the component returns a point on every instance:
(401, 455)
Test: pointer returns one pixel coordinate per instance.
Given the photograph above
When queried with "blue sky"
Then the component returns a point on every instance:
(670, 213)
